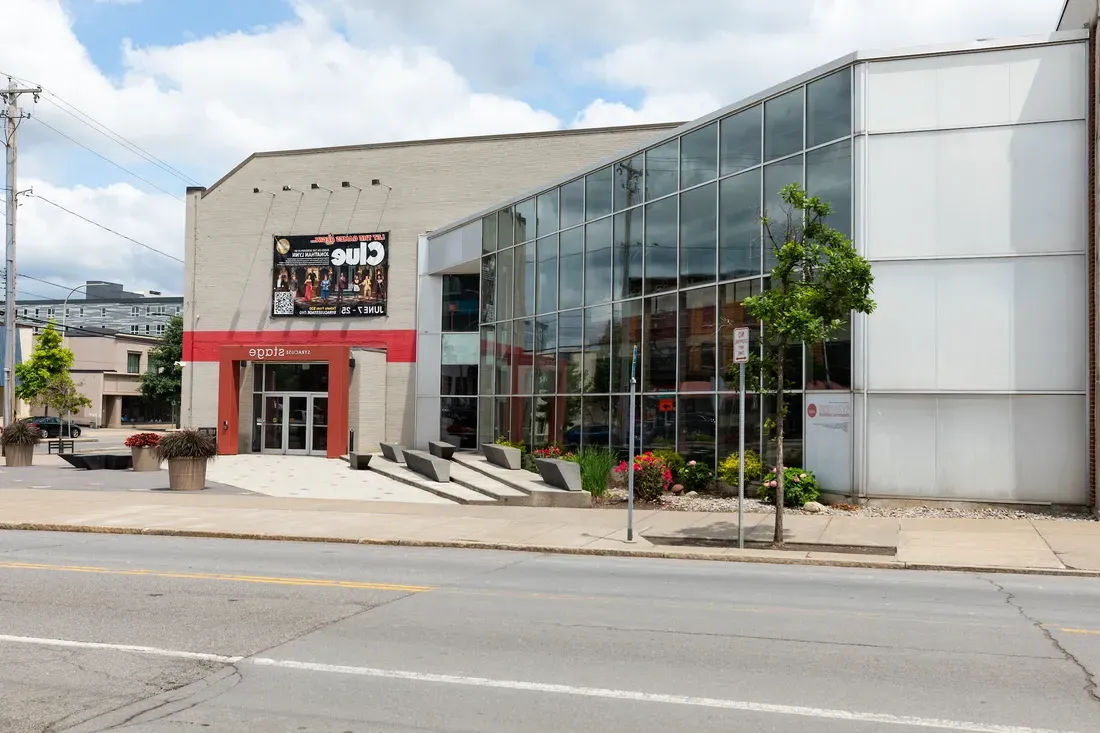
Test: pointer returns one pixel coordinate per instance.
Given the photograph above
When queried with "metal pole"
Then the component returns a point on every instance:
(630, 464)
(11, 119)
(741, 459)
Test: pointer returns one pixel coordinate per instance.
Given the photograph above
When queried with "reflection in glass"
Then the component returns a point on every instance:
(547, 212)
(503, 379)
(571, 257)
(458, 421)
(597, 194)
(273, 423)
(458, 379)
(547, 274)
(523, 356)
(829, 365)
(485, 421)
(572, 203)
(488, 360)
(597, 350)
(829, 177)
(783, 125)
(501, 417)
(595, 424)
(662, 165)
(567, 426)
(546, 355)
(698, 235)
(504, 285)
(504, 228)
(698, 427)
(658, 422)
(620, 425)
(780, 219)
(829, 108)
(626, 322)
(488, 288)
(628, 254)
(659, 374)
(293, 378)
(699, 156)
(792, 430)
(660, 245)
(319, 425)
(741, 140)
(628, 182)
(489, 234)
(525, 221)
(733, 315)
(597, 262)
(739, 226)
(729, 429)
(571, 351)
(460, 302)
(523, 303)
(698, 348)
(297, 424)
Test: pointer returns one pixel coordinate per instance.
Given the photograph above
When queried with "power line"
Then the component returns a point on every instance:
(108, 229)
(106, 159)
(86, 296)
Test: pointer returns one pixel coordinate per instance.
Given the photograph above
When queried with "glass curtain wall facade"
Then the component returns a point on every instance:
(658, 251)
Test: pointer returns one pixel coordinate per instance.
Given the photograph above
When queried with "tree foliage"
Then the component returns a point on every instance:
(47, 367)
(62, 395)
(818, 281)
(164, 378)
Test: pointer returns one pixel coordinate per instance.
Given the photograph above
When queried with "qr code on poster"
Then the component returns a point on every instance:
(284, 303)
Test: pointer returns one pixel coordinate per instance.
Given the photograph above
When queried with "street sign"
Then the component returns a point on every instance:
(740, 345)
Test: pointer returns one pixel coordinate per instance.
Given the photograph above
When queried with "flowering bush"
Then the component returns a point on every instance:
(651, 476)
(143, 440)
(728, 468)
(550, 451)
(799, 487)
(695, 476)
(674, 461)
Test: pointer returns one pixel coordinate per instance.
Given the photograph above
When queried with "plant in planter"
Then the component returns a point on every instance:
(187, 452)
(19, 440)
(143, 446)
(696, 476)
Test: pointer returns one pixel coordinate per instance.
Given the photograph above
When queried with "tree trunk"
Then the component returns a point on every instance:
(778, 538)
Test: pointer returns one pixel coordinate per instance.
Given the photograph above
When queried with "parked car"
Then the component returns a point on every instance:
(52, 427)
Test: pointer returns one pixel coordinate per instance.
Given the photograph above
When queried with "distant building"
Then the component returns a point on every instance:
(101, 306)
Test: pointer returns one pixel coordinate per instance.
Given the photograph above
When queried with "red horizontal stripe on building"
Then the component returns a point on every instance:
(400, 345)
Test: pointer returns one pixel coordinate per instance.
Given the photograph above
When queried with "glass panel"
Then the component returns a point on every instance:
(458, 421)
(501, 414)
(568, 427)
(620, 424)
(597, 262)
(729, 429)
(257, 421)
(829, 177)
(829, 365)
(458, 379)
(505, 357)
(570, 351)
(699, 235)
(662, 164)
(523, 301)
(459, 348)
(523, 357)
(521, 418)
(659, 374)
(595, 422)
(597, 194)
(783, 125)
(503, 301)
(488, 289)
(547, 274)
(626, 322)
(597, 350)
(629, 232)
(733, 315)
(739, 226)
(628, 182)
(460, 302)
(547, 213)
(740, 140)
(699, 156)
(571, 257)
(542, 417)
(572, 203)
(660, 245)
(792, 431)
(298, 423)
(658, 422)
(489, 234)
(776, 177)
(296, 378)
(488, 360)
(504, 228)
(546, 356)
(319, 425)
(698, 426)
(698, 350)
(257, 377)
(829, 108)
(525, 221)
(484, 421)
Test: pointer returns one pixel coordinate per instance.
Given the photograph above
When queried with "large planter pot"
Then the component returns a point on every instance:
(145, 459)
(18, 455)
(187, 474)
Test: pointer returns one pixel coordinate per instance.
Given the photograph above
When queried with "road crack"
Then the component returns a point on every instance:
(1091, 688)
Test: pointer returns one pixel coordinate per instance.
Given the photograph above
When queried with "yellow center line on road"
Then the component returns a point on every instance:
(1082, 631)
(307, 582)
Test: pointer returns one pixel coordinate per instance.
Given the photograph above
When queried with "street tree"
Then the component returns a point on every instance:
(63, 395)
(164, 379)
(50, 361)
(818, 281)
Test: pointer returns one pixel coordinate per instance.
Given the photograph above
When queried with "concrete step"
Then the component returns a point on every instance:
(451, 490)
(539, 492)
(490, 487)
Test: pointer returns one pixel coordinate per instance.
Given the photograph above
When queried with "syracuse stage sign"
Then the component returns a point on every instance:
(331, 275)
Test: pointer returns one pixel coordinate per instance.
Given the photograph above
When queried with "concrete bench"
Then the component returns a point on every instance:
(560, 474)
(439, 449)
(359, 461)
(429, 466)
(503, 456)
(393, 452)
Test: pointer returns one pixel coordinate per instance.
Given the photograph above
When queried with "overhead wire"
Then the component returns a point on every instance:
(107, 228)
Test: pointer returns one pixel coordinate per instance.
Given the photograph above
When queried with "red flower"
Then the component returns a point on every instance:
(143, 440)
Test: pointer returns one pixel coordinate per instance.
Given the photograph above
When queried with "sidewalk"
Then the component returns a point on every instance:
(1038, 546)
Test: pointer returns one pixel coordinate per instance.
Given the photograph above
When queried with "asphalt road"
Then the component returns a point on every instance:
(164, 634)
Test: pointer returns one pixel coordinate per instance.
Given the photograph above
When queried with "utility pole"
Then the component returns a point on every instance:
(12, 116)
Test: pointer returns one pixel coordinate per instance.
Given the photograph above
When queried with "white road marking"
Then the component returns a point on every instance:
(597, 692)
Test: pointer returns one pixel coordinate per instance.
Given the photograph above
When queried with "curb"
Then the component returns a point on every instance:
(547, 550)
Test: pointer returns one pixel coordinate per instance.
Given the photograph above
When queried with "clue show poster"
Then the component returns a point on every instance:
(331, 275)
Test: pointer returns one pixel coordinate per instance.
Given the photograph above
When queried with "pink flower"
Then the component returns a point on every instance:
(691, 463)
(795, 479)
(773, 483)
(802, 476)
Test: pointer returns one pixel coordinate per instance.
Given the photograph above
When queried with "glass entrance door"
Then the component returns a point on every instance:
(318, 425)
(293, 424)
(297, 425)
(273, 423)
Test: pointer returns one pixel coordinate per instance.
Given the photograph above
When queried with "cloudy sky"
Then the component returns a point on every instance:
(194, 86)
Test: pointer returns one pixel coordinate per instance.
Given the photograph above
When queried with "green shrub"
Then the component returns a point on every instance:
(651, 476)
(674, 461)
(186, 444)
(799, 487)
(21, 432)
(597, 462)
(696, 476)
(728, 468)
